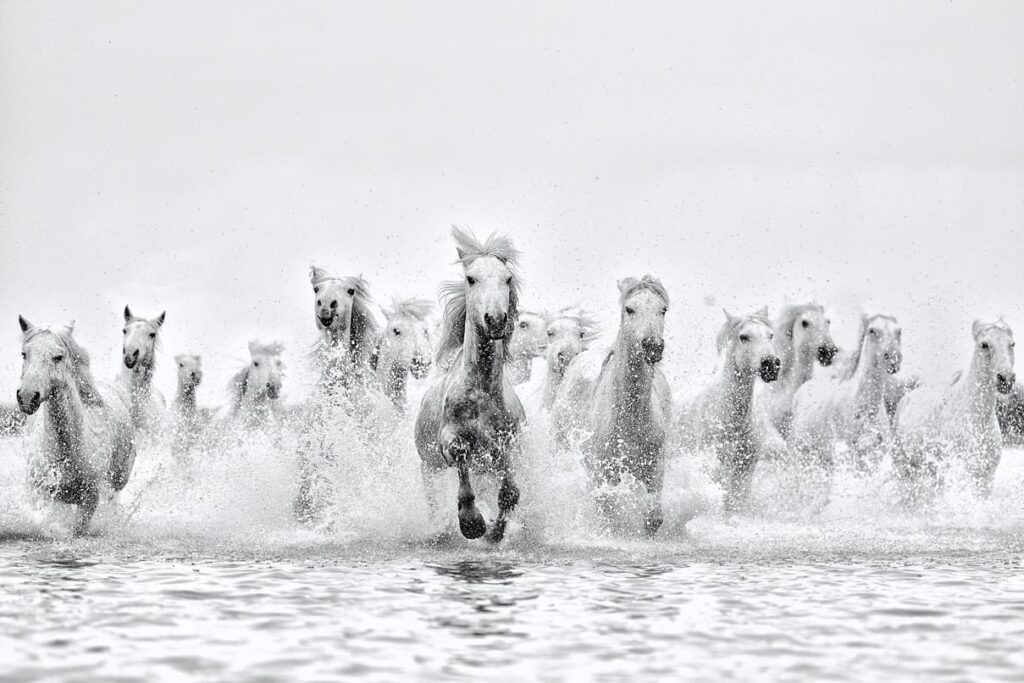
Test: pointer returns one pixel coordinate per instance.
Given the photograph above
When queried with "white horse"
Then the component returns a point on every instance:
(348, 330)
(189, 420)
(1010, 411)
(141, 339)
(936, 426)
(621, 399)
(471, 418)
(569, 333)
(528, 341)
(83, 442)
(402, 348)
(721, 416)
(802, 337)
(851, 408)
(255, 390)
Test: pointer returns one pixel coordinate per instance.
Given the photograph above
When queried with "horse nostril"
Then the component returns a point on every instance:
(135, 354)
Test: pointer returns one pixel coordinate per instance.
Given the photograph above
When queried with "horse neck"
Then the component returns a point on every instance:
(551, 383)
(803, 366)
(737, 392)
(632, 381)
(484, 360)
(978, 390)
(393, 379)
(64, 419)
(519, 368)
(186, 397)
(869, 379)
(139, 379)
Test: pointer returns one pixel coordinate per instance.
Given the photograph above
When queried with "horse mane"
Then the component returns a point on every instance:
(630, 285)
(732, 325)
(854, 361)
(583, 319)
(414, 307)
(453, 293)
(80, 362)
(364, 329)
(784, 332)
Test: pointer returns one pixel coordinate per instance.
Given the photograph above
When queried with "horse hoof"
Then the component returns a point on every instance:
(497, 533)
(471, 523)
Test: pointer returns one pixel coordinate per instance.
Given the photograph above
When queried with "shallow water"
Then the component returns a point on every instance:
(200, 571)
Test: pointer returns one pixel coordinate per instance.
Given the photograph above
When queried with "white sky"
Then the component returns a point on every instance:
(199, 156)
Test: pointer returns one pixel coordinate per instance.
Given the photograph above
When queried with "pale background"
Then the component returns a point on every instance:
(197, 157)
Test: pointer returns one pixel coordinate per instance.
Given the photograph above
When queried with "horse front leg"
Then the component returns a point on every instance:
(654, 479)
(508, 498)
(88, 500)
(471, 522)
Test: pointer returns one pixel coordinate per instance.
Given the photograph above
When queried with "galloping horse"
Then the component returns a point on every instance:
(851, 408)
(569, 333)
(802, 337)
(141, 339)
(84, 441)
(620, 397)
(939, 425)
(188, 420)
(402, 348)
(255, 390)
(528, 341)
(348, 330)
(470, 419)
(721, 416)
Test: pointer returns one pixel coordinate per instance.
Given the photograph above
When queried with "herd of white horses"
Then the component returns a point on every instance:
(782, 392)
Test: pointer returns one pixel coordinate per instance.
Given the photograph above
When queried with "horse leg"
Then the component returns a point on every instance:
(654, 482)
(471, 522)
(88, 500)
(508, 498)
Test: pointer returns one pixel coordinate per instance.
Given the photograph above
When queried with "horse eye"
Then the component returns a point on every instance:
(664, 310)
(873, 332)
(551, 333)
(57, 359)
(522, 325)
(744, 338)
(398, 332)
(471, 280)
(509, 280)
(1013, 344)
(316, 290)
(152, 335)
(583, 335)
(804, 324)
(630, 310)
(771, 335)
(351, 291)
(124, 331)
(257, 363)
(318, 302)
(984, 345)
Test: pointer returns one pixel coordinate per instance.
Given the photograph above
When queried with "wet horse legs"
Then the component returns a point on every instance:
(508, 498)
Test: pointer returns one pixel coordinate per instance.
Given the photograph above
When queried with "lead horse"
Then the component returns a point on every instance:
(471, 418)
(621, 399)
(141, 339)
(84, 441)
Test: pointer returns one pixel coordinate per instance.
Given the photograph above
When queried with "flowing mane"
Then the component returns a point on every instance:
(364, 328)
(239, 382)
(415, 308)
(854, 361)
(732, 326)
(583, 318)
(80, 361)
(784, 333)
(453, 293)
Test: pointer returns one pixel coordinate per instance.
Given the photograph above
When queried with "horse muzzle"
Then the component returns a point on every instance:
(826, 354)
(1004, 382)
(497, 326)
(29, 401)
(770, 368)
(652, 350)
(131, 359)
(893, 363)
(325, 321)
(273, 391)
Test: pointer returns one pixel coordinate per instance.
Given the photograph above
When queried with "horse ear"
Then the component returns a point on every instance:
(25, 324)
(316, 274)
(625, 283)
(160, 319)
(976, 328)
(127, 314)
(70, 327)
(728, 316)
(253, 346)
